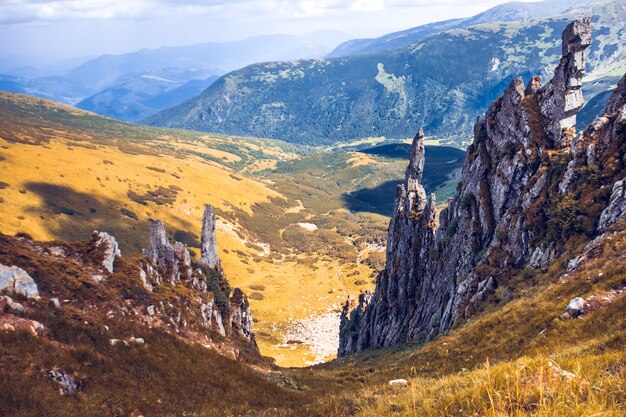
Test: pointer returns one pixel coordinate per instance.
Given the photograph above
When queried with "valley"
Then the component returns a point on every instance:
(427, 223)
(78, 172)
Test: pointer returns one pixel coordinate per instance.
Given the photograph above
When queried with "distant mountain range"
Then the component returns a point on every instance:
(134, 85)
(440, 82)
(508, 12)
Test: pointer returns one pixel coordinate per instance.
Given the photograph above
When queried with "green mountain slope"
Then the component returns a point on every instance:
(514, 11)
(441, 83)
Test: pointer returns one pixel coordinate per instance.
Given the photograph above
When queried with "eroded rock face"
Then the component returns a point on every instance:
(562, 98)
(15, 280)
(171, 264)
(601, 145)
(240, 316)
(440, 269)
(161, 253)
(616, 210)
(111, 249)
(208, 249)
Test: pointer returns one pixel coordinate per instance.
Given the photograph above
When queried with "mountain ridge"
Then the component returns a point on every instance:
(431, 84)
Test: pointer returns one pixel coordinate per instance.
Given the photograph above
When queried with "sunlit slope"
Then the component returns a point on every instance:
(291, 245)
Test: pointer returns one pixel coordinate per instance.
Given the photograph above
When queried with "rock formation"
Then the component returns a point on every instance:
(562, 98)
(161, 254)
(15, 280)
(616, 209)
(507, 213)
(208, 248)
(240, 316)
(171, 264)
(110, 247)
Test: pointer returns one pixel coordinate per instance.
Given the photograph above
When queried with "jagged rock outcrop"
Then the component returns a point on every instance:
(162, 255)
(208, 242)
(507, 213)
(240, 315)
(15, 280)
(562, 98)
(110, 247)
(171, 264)
(597, 150)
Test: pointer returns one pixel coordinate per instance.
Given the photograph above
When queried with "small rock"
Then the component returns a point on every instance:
(68, 384)
(575, 307)
(144, 281)
(8, 303)
(150, 310)
(398, 383)
(12, 323)
(97, 278)
(55, 302)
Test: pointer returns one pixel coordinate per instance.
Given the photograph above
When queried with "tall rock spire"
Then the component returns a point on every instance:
(562, 97)
(416, 196)
(208, 248)
(416, 161)
(439, 272)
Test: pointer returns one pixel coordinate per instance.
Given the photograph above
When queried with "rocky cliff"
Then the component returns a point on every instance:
(529, 188)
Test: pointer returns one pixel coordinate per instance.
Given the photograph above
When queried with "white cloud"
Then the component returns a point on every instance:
(15, 11)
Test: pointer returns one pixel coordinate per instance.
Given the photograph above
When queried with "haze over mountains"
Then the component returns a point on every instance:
(134, 85)
(438, 76)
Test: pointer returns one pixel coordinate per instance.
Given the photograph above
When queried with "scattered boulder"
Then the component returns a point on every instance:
(15, 280)
(111, 249)
(575, 308)
(55, 302)
(397, 383)
(68, 385)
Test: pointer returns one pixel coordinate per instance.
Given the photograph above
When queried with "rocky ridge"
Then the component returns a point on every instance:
(171, 264)
(160, 289)
(525, 190)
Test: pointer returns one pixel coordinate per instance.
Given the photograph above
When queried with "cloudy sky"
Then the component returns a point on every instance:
(60, 29)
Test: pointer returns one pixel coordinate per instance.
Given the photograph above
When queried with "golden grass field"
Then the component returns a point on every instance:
(68, 172)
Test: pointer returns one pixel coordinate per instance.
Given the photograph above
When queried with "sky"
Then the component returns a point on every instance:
(47, 31)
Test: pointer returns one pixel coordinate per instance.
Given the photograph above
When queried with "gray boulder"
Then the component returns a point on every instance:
(68, 385)
(575, 308)
(17, 281)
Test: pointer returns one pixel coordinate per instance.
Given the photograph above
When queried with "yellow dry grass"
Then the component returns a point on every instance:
(69, 184)
(360, 159)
